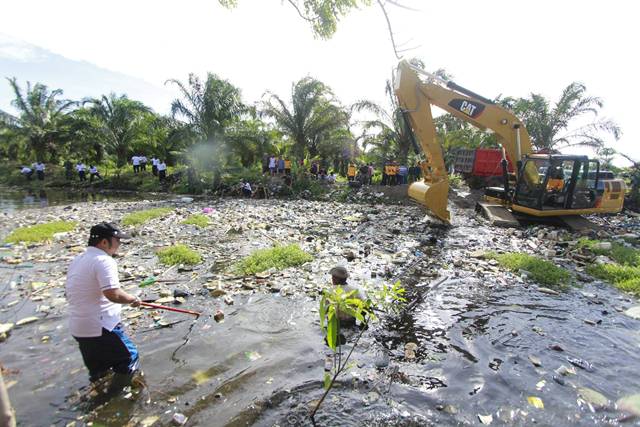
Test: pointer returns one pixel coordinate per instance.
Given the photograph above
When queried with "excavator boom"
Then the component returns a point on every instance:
(415, 97)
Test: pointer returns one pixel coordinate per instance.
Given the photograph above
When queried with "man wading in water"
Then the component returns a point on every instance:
(95, 298)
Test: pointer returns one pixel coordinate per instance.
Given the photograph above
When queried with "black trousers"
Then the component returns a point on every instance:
(112, 350)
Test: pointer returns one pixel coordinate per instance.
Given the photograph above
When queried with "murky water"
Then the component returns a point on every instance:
(474, 325)
(12, 199)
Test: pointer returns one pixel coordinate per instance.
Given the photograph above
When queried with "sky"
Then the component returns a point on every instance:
(492, 47)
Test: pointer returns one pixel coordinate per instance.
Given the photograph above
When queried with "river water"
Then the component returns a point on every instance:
(476, 330)
(12, 199)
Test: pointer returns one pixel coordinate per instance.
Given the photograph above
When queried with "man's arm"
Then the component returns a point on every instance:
(119, 296)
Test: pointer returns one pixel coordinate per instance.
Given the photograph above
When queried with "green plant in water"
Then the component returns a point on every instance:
(336, 302)
(455, 180)
(178, 254)
(541, 271)
(199, 220)
(40, 232)
(140, 217)
(278, 257)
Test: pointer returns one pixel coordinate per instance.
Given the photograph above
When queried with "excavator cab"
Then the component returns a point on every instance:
(564, 185)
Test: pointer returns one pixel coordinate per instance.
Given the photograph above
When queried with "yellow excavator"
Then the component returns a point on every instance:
(544, 185)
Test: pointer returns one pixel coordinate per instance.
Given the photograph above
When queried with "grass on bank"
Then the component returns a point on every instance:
(140, 217)
(625, 275)
(179, 254)
(621, 254)
(279, 258)
(199, 220)
(40, 232)
(542, 271)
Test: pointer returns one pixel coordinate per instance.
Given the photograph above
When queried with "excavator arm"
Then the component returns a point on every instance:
(415, 98)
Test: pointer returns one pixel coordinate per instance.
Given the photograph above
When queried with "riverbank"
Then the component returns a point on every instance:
(477, 327)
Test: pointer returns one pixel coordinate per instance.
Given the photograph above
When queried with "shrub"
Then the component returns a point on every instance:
(199, 220)
(178, 254)
(279, 257)
(542, 271)
(140, 217)
(39, 232)
(455, 180)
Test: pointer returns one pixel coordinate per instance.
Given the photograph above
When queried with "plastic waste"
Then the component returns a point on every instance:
(148, 281)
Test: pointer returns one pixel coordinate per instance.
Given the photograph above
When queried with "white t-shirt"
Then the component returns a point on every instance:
(143, 159)
(246, 186)
(89, 274)
(135, 160)
(154, 161)
(80, 167)
(272, 162)
(93, 170)
(25, 170)
(40, 167)
(162, 166)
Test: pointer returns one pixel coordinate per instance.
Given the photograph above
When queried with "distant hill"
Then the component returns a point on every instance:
(78, 79)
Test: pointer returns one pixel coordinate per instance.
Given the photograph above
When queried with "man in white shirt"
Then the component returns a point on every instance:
(27, 172)
(93, 173)
(40, 171)
(246, 189)
(95, 297)
(81, 168)
(162, 170)
(154, 166)
(135, 160)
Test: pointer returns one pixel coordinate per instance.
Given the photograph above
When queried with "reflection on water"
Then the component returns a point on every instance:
(12, 200)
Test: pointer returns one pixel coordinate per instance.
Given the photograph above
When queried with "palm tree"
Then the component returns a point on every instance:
(42, 119)
(121, 123)
(209, 108)
(313, 114)
(549, 126)
(391, 135)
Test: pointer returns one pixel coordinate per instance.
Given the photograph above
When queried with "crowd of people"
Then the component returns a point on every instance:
(392, 173)
(158, 167)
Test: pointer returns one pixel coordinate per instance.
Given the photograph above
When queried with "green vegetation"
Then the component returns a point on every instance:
(279, 257)
(179, 254)
(625, 274)
(542, 271)
(335, 302)
(140, 217)
(619, 253)
(199, 220)
(40, 232)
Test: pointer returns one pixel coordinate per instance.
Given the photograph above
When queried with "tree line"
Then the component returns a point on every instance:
(211, 128)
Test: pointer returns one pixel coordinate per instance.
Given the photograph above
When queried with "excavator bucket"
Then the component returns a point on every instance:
(433, 196)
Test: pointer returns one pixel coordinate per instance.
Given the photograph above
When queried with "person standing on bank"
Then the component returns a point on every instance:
(162, 170)
(154, 166)
(81, 168)
(95, 298)
(135, 161)
(40, 171)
